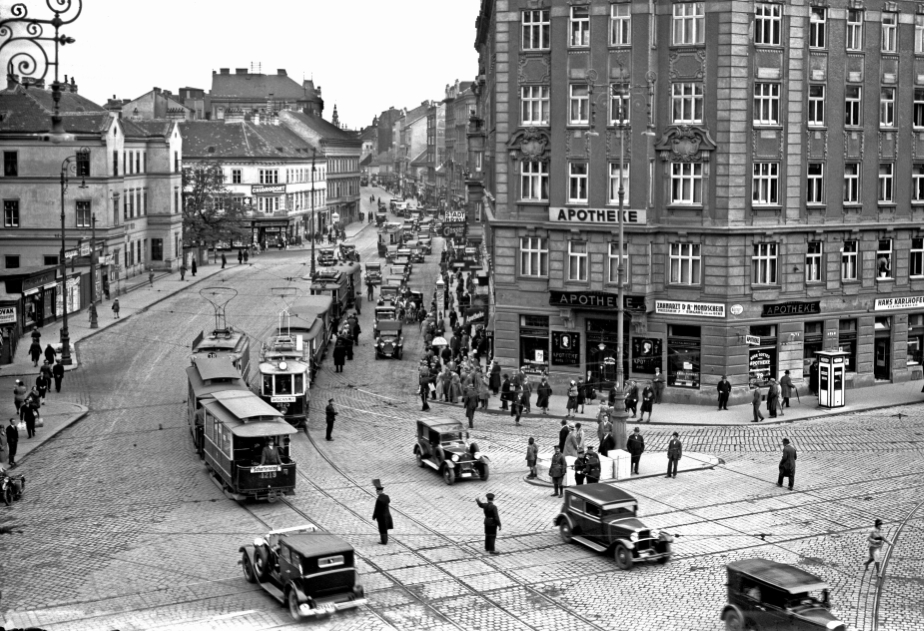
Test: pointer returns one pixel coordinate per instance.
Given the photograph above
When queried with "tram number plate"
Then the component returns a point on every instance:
(268, 475)
(281, 399)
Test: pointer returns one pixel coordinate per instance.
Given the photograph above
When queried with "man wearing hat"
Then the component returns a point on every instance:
(331, 417)
(593, 465)
(635, 445)
(580, 467)
(674, 452)
(381, 513)
(492, 522)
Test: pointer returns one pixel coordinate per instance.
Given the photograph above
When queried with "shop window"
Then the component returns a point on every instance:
(157, 249)
(534, 344)
(762, 357)
(915, 339)
(646, 355)
(813, 341)
(602, 349)
(683, 356)
(50, 260)
(884, 259)
(847, 342)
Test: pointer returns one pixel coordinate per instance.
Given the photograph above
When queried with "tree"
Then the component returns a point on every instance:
(210, 213)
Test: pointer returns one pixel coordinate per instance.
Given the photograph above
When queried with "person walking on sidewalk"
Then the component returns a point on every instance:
(193, 268)
(635, 445)
(543, 392)
(41, 385)
(648, 396)
(58, 373)
(506, 387)
(27, 412)
(183, 271)
(492, 522)
(724, 389)
(19, 394)
(35, 352)
(773, 393)
(50, 354)
(755, 403)
(246, 258)
(12, 441)
(632, 398)
(115, 308)
(572, 398)
(224, 260)
(674, 453)
(240, 257)
(557, 472)
(381, 514)
(787, 464)
(874, 540)
(331, 416)
(581, 395)
(532, 455)
(593, 466)
(785, 389)
(563, 434)
(658, 385)
(151, 276)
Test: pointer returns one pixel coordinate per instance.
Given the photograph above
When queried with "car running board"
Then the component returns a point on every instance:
(431, 464)
(274, 591)
(590, 544)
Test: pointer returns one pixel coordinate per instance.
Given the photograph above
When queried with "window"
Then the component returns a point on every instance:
(767, 24)
(83, 214)
(818, 27)
(580, 26)
(534, 105)
(577, 182)
(885, 183)
(766, 184)
(269, 176)
(887, 107)
(917, 179)
(816, 105)
(534, 256)
(849, 261)
(11, 261)
(687, 100)
(580, 104)
(534, 344)
(847, 342)
(157, 249)
(919, 107)
(11, 213)
(763, 263)
(884, 259)
(919, 34)
(852, 105)
(916, 269)
(236, 176)
(577, 261)
(686, 183)
(83, 164)
(10, 164)
(815, 184)
(889, 32)
(685, 263)
(619, 103)
(138, 162)
(813, 262)
(766, 103)
(614, 182)
(852, 183)
(534, 180)
(613, 264)
(50, 260)
(115, 162)
(176, 161)
(684, 346)
(535, 29)
(854, 29)
(689, 19)
(620, 25)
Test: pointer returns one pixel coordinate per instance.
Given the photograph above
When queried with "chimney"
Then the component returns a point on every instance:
(240, 71)
(73, 86)
(282, 72)
(225, 71)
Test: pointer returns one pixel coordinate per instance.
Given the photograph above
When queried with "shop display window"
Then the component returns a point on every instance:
(534, 344)
(762, 357)
(684, 348)
(847, 342)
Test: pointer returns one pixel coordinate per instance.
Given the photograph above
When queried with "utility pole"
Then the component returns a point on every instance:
(314, 223)
(94, 321)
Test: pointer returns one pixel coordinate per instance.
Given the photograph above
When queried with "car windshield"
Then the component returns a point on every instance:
(807, 599)
(619, 511)
(451, 437)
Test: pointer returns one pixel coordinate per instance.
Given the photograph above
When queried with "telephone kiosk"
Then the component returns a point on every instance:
(832, 378)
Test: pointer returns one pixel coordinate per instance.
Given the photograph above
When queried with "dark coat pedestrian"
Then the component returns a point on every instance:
(755, 403)
(581, 394)
(648, 397)
(424, 382)
(57, 372)
(183, 271)
(382, 514)
(580, 468)
(495, 377)
(45, 371)
(563, 434)
(35, 352)
(632, 398)
(773, 398)
(28, 415)
(331, 415)
(724, 389)
(557, 471)
(12, 441)
(505, 392)
(607, 444)
(787, 464)
(224, 261)
(41, 383)
(786, 389)
(658, 383)
(492, 522)
(674, 453)
(246, 258)
(532, 455)
(115, 308)
(50, 354)
(339, 356)
(19, 394)
(471, 404)
(635, 445)
(593, 466)
(240, 257)
(543, 392)
(813, 377)
(193, 268)
(572, 405)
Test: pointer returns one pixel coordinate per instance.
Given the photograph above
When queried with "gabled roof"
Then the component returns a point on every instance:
(327, 131)
(416, 114)
(218, 139)
(256, 86)
(29, 110)
(147, 129)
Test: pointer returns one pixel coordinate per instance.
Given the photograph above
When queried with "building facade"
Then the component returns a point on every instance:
(254, 92)
(772, 161)
(460, 102)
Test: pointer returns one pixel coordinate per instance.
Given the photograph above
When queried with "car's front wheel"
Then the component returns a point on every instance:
(623, 557)
(249, 575)
(449, 475)
(564, 529)
(733, 621)
(294, 610)
(484, 470)
(261, 563)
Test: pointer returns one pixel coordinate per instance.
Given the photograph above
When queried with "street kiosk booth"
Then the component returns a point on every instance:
(832, 371)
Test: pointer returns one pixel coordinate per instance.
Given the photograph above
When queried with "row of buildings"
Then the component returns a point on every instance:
(770, 159)
(113, 183)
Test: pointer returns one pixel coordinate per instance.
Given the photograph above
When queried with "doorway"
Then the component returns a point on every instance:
(882, 362)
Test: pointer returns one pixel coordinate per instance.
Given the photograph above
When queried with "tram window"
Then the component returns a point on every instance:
(267, 384)
(226, 441)
(299, 383)
(283, 384)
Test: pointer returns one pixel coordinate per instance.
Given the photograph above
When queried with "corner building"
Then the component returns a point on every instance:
(773, 165)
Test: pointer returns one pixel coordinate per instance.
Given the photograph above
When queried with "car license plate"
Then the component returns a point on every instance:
(467, 475)
(326, 610)
(644, 553)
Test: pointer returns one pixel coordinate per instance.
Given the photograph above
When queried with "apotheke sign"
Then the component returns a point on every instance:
(605, 216)
(888, 304)
(701, 309)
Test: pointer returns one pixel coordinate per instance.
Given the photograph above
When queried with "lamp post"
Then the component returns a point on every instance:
(70, 163)
(314, 222)
(94, 321)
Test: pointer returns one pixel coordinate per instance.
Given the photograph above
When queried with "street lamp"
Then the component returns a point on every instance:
(314, 223)
(76, 163)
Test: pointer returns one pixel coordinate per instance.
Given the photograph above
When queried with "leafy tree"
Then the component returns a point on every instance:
(210, 213)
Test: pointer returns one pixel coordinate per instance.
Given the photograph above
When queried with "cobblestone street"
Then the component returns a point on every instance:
(121, 528)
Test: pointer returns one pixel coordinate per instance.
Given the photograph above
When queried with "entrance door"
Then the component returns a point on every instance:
(883, 362)
(602, 350)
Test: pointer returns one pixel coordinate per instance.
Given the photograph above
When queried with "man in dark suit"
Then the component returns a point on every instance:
(724, 389)
(505, 392)
(381, 513)
(58, 373)
(787, 464)
(593, 466)
(674, 453)
(635, 445)
(563, 435)
(492, 522)
(12, 441)
(331, 417)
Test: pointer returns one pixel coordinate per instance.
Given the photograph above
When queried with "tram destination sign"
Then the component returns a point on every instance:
(282, 399)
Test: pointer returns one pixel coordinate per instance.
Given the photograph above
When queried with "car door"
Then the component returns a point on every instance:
(766, 606)
(288, 565)
(592, 524)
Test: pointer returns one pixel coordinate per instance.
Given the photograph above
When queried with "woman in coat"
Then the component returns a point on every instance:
(481, 387)
(773, 398)
(35, 351)
(572, 444)
(495, 377)
(532, 454)
(572, 399)
(543, 392)
(455, 388)
(581, 398)
(339, 356)
(557, 471)
(50, 354)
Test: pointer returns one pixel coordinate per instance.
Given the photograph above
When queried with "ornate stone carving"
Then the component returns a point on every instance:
(530, 143)
(534, 69)
(612, 144)
(688, 65)
(685, 143)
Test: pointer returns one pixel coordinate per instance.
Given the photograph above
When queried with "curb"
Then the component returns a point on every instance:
(69, 422)
(549, 485)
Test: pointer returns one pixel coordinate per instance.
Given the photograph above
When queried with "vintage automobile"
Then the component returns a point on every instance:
(603, 518)
(399, 270)
(402, 257)
(395, 279)
(311, 571)
(425, 243)
(348, 252)
(373, 273)
(417, 255)
(389, 292)
(389, 340)
(765, 594)
(327, 256)
(441, 445)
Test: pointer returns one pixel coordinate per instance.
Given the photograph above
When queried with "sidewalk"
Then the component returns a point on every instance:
(858, 400)
(139, 297)
(651, 465)
(57, 417)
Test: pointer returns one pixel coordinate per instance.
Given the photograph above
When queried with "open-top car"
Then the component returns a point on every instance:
(765, 594)
(441, 445)
(348, 252)
(389, 339)
(389, 292)
(373, 273)
(311, 571)
(327, 256)
(604, 518)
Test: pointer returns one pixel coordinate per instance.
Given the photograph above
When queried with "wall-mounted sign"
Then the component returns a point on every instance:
(594, 300)
(736, 309)
(37, 281)
(646, 354)
(454, 216)
(566, 348)
(453, 230)
(752, 340)
(888, 304)
(606, 216)
(791, 309)
(268, 189)
(761, 365)
(701, 309)
(7, 315)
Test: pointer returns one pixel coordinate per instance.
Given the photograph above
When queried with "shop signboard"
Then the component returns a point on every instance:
(890, 304)
(35, 282)
(699, 309)
(268, 189)
(786, 309)
(455, 225)
(760, 365)
(7, 315)
(566, 348)
(594, 300)
(646, 354)
(597, 216)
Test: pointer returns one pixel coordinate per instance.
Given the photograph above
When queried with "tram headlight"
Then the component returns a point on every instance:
(283, 365)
